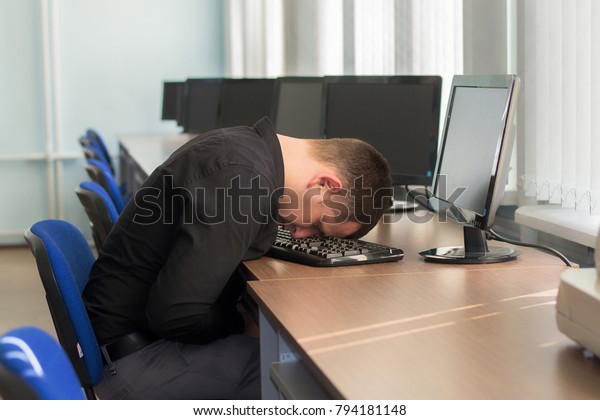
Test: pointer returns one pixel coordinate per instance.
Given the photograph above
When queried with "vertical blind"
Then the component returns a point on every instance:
(317, 37)
(559, 119)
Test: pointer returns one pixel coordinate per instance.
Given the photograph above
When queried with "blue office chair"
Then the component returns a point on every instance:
(64, 260)
(35, 357)
(100, 209)
(100, 173)
(92, 151)
(95, 137)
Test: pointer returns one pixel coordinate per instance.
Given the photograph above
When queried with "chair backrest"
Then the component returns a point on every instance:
(64, 260)
(35, 357)
(100, 209)
(94, 136)
(92, 151)
(99, 172)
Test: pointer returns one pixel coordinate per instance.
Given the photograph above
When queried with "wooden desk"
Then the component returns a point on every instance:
(410, 329)
(417, 330)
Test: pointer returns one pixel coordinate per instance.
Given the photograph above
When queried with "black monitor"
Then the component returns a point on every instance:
(398, 115)
(172, 103)
(298, 107)
(473, 165)
(201, 98)
(245, 101)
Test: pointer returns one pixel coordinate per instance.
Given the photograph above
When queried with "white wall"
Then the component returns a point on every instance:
(115, 54)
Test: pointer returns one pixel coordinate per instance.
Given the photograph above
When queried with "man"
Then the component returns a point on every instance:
(163, 293)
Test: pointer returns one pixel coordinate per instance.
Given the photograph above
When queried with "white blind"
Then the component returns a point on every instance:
(344, 37)
(254, 38)
(559, 124)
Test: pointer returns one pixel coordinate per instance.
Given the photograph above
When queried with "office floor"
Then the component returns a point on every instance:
(22, 298)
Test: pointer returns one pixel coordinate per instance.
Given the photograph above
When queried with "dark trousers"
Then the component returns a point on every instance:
(223, 369)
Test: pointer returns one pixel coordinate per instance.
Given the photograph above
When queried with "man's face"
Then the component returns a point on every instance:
(309, 215)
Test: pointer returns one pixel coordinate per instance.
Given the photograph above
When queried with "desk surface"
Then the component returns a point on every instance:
(487, 334)
(417, 330)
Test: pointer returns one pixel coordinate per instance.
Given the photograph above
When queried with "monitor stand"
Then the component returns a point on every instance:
(403, 201)
(475, 251)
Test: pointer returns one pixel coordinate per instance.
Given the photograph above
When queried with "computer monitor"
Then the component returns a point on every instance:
(473, 165)
(172, 102)
(245, 101)
(298, 107)
(398, 115)
(201, 104)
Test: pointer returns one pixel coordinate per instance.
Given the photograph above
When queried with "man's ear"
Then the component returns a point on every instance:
(326, 180)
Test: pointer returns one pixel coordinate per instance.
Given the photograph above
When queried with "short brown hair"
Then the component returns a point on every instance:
(366, 177)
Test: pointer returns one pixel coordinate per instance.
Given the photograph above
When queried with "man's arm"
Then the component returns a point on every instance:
(195, 295)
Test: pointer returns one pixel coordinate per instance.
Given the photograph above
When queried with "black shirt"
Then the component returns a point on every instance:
(166, 266)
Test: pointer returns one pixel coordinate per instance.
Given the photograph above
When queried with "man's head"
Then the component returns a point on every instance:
(345, 187)
(366, 180)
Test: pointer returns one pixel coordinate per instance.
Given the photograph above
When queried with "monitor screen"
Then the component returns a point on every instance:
(473, 138)
(473, 165)
(245, 101)
(172, 100)
(298, 107)
(398, 115)
(201, 104)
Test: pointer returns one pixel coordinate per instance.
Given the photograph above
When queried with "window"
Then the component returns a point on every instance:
(316, 37)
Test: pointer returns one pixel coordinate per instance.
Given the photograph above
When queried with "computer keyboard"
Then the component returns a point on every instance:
(329, 251)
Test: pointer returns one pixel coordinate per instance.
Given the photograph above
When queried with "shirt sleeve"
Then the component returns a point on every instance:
(193, 299)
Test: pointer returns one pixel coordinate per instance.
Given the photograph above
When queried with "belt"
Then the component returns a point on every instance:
(125, 345)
